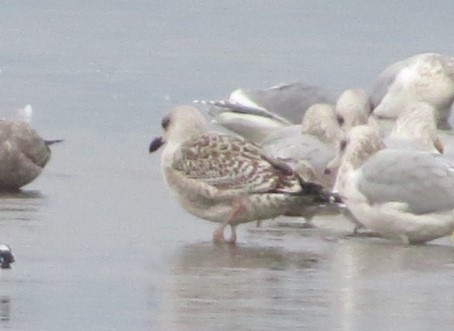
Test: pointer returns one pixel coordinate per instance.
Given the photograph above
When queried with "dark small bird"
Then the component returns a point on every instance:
(6, 257)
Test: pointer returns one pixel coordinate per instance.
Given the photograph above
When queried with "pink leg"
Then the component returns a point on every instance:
(232, 238)
(218, 235)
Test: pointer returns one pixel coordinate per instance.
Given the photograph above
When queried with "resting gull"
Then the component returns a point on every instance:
(227, 179)
(427, 77)
(316, 139)
(354, 106)
(23, 154)
(404, 195)
(314, 142)
(416, 128)
(253, 114)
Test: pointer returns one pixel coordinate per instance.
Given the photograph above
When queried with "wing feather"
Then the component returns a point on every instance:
(231, 163)
(422, 180)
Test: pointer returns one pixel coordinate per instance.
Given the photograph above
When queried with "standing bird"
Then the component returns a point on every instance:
(227, 179)
(23, 154)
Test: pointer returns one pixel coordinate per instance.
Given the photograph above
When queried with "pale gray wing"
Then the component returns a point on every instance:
(424, 181)
(447, 139)
(285, 102)
(290, 100)
(385, 79)
(290, 144)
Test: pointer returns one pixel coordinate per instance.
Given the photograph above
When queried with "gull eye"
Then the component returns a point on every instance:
(165, 122)
(342, 145)
(371, 107)
(340, 120)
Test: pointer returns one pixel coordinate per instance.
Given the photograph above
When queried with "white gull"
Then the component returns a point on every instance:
(404, 195)
(310, 145)
(416, 128)
(253, 114)
(427, 77)
(354, 106)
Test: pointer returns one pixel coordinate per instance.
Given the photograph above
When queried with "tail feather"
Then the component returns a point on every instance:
(52, 141)
(319, 193)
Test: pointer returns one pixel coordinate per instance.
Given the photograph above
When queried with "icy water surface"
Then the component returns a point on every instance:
(99, 243)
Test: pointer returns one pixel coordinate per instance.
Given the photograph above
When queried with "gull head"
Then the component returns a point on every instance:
(321, 120)
(354, 106)
(181, 124)
(362, 142)
(6, 257)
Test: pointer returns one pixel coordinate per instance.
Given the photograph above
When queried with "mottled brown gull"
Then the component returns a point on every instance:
(226, 179)
(404, 195)
(23, 154)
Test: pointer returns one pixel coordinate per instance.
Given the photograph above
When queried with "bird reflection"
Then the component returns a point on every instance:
(5, 308)
(383, 279)
(227, 285)
(21, 205)
(347, 286)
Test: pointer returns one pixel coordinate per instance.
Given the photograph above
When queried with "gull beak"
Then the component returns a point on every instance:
(439, 145)
(332, 166)
(155, 144)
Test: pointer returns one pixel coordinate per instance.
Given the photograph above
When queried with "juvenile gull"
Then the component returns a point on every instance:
(253, 114)
(23, 154)
(427, 77)
(404, 195)
(226, 179)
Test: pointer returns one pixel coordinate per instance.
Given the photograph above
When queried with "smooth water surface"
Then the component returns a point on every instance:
(100, 244)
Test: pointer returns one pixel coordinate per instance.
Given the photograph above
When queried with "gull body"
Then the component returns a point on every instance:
(23, 154)
(314, 142)
(226, 179)
(254, 114)
(404, 195)
(416, 129)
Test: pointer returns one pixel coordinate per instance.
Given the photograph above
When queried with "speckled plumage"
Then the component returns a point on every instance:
(226, 179)
(231, 163)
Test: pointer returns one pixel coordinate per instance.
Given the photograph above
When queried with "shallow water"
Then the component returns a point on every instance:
(99, 243)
